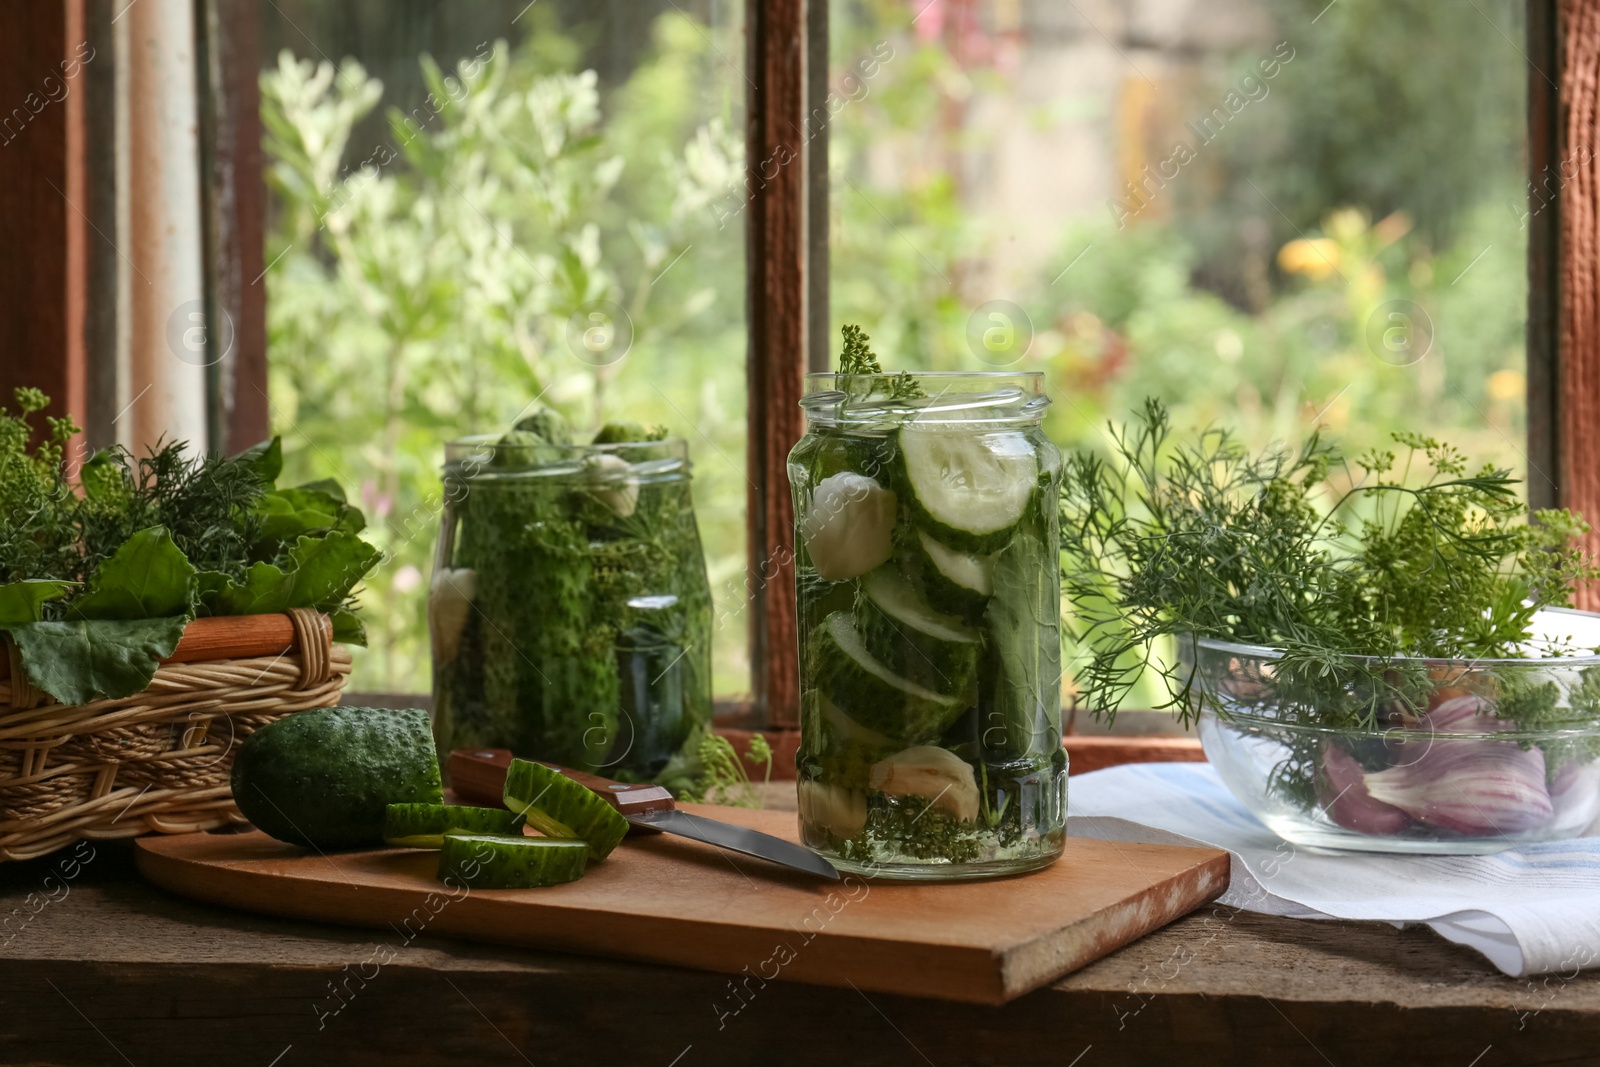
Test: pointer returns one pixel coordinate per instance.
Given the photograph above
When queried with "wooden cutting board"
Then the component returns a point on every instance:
(666, 899)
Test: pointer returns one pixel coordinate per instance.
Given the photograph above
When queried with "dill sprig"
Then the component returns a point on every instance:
(857, 357)
(1296, 549)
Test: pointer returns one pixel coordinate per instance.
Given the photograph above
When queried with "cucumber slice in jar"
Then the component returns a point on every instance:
(837, 749)
(901, 631)
(557, 806)
(490, 861)
(869, 692)
(955, 582)
(849, 528)
(424, 825)
(967, 489)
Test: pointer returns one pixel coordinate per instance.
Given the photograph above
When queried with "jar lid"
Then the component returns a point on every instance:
(491, 455)
(990, 398)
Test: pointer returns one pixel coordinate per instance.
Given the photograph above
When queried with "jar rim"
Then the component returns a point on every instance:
(1015, 398)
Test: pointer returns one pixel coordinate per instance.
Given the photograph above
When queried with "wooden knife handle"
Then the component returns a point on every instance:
(479, 775)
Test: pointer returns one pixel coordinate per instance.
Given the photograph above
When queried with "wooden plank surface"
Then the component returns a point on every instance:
(102, 968)
(666, 899)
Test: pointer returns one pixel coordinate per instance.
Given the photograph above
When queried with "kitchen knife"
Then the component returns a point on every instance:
(478, 775)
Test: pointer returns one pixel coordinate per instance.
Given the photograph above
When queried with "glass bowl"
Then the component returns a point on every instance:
(1408, 755)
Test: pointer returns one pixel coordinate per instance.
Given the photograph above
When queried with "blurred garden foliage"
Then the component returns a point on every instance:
(1382, 175)
(430, 296)
(438, 282)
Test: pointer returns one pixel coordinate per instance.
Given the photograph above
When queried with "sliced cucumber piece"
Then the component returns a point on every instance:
(489, 861)
(956, 582)
(869, 692)
(968, 489)
(841, 749)
(424, 825)
(557, 806)
(849, 528)
(908, 637)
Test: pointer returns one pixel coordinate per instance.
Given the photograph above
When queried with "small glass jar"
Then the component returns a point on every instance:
(569, 608)
(927, 547)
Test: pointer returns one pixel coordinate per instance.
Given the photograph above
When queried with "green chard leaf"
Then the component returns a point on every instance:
(289, 513)
(266, 459)
(149, 577)
(348, 629)
(324, 570)
(24, 601)
(321, 573)
(76, 660)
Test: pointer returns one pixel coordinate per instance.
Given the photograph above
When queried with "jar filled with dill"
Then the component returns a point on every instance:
(569, 608)
(926, 547)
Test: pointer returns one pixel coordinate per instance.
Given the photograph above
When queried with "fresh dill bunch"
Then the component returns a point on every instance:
(1293, 549)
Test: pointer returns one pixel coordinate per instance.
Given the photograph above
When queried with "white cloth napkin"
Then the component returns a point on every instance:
(1530, 910)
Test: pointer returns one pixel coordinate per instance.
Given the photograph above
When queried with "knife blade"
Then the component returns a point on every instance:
(478, 775)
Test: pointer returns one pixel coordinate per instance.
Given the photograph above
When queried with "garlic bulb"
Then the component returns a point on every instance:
(936, 774)
(1470, 786)
(1343, 795)
(1575, 795)
(847, 529)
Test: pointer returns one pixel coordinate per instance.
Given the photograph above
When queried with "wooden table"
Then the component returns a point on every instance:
(101, 968)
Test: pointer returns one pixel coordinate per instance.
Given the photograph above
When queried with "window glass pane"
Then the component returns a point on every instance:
(1268, 213)
(477, 206)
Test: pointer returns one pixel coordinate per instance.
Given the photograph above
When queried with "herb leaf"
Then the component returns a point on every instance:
(74, 661)
(24, 601)
(148, 577)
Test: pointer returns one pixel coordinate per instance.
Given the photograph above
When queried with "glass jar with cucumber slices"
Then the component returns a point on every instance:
(569, 609)
(929, 608)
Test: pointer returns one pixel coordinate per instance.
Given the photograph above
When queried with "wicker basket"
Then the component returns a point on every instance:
(157, 761)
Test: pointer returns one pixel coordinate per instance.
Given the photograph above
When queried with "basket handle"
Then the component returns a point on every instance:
(222, 637)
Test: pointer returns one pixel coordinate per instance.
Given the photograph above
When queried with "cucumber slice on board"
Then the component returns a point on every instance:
(557, 806)
(955, 582)
(967, 489)
(869, 692)
(490, 861)
(325, 778)
(902, 632)
(424, 825)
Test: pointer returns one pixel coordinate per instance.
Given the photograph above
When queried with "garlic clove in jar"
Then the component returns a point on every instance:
(842, 812)
(936, 774)
(1342, 793)
(450, 596)
(1471, 786)
(848, 529)
(613, 483)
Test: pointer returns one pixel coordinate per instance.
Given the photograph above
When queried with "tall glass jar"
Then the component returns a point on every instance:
(569, 607)
(927, 546)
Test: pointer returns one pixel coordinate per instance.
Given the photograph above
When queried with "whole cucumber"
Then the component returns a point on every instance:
(325, 778)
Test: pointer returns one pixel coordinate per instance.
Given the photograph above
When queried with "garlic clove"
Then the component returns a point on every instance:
(940, 776)
(450, 596)
(614, 484)
(1473, 787)
(1469, 714)
(1575, 796)
(849, 526)
(842, 812)
(1342, 793)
